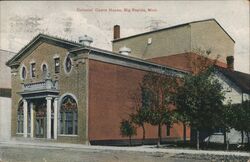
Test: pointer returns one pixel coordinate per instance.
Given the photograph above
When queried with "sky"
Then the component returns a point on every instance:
(23, 20)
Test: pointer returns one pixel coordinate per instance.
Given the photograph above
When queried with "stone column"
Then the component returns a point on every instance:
(48, 99)
(31, 120)
(25, 118)
(55, 117)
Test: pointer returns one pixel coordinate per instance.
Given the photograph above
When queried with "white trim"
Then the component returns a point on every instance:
(67, 94)
(68, 135)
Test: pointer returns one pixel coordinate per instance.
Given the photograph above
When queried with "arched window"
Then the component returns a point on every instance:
(20, 117)
(23, 73)
(44, 70)
(68, 64)
(68, 116)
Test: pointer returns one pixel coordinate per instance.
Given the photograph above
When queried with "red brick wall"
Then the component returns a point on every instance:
(180, 61)
(110, 90)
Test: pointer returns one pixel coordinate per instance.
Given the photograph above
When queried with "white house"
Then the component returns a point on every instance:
(5, 95)
(237, 89)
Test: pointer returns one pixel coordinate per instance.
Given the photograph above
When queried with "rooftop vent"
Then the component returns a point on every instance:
(124, 50)
(85, 40)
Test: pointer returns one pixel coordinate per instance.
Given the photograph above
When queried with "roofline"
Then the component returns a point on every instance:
(8, 63)
(171, 27)
(219, 69)
(134, 59)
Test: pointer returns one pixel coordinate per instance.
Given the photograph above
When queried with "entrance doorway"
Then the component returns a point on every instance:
(40, 127)
(40, 121)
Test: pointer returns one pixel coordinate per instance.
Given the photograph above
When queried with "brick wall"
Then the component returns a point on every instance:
(182, 61)
(110, 90)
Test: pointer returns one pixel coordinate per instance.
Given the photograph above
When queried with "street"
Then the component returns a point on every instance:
(16, 152)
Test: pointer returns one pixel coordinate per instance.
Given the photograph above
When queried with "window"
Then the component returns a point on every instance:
(44, 70)
(68, 116)
(68, 64)
(32, 69)
(57, 65)
(23, 73)
(20, 118)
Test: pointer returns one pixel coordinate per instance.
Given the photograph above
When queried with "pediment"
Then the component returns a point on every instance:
(37, 41)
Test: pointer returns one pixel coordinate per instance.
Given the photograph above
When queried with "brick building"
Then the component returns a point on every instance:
(72, 92)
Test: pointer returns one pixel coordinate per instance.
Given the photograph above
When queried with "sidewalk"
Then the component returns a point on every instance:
(146, 148)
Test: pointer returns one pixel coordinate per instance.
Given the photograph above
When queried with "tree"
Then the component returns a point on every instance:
(200, 100)
(127, 129)
(140, 118)
(240, 118)
(159, 90)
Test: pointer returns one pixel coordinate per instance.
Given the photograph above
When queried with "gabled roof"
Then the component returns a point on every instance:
(242, 80)
(45, 38)
(172, 27)
(74, 47)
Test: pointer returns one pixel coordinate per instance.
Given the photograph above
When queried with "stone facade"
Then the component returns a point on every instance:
(44, 53)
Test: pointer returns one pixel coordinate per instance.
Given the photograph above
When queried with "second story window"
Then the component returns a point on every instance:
(32, 69)
(23, 73)
(44, 70)
(57, 65)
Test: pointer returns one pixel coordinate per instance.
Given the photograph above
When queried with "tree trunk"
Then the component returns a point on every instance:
(248, 138)
(184, 133)
(159, 136)
(225, 137)
(198, 139)
(130, 141)
(143, 134)
(226, 140)
(242, 137)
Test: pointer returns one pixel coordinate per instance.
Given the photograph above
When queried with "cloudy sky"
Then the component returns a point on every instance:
(21, 21)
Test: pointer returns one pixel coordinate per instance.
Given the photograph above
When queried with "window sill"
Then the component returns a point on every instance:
(19, 133)
(68, 135)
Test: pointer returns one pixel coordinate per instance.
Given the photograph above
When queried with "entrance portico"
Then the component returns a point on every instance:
(40, 109)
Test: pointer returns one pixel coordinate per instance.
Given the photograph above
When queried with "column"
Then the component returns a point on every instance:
(55, 117)
(31, 120)
(48, 99)
(25, 118)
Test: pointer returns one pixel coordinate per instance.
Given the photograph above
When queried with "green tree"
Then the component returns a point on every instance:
(160, 89)
(199, 99)
(240, 118)
(127, 129)
(140, 118)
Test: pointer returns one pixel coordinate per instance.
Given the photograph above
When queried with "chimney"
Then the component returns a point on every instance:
(116, 32)
(85, 40)
(230, 62)
(125, 51)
